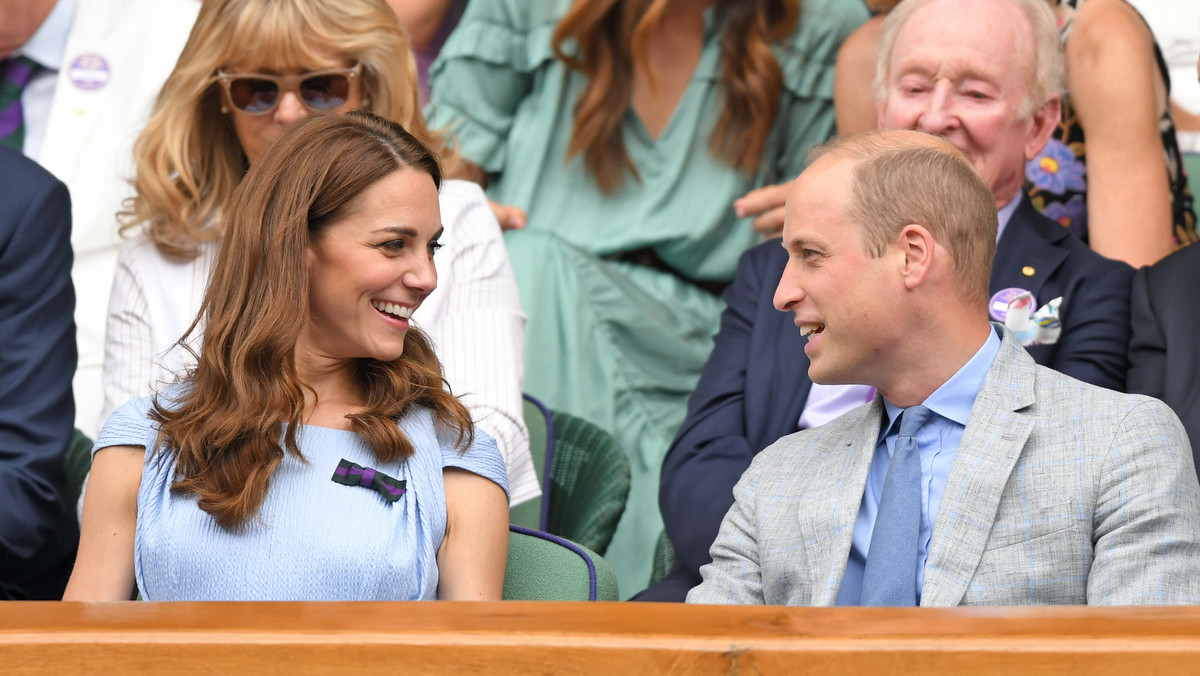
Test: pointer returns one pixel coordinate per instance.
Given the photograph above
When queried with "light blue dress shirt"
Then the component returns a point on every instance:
(938, 443)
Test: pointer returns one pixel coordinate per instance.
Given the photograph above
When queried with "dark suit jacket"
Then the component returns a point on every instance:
(38, 530)
(1164, 350)
(755, 384)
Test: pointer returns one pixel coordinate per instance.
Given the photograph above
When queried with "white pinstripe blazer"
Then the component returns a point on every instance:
(1061, 493)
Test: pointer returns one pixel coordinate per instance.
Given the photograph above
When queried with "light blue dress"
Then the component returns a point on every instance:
(314, 539)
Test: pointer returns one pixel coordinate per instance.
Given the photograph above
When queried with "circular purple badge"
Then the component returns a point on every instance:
(89, 71)
(998, 305)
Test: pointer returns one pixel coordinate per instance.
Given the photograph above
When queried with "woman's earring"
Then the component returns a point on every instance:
(224, 110)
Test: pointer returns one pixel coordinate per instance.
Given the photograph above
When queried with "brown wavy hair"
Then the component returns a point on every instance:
(613, 37)
(188, 157)
(245, 392)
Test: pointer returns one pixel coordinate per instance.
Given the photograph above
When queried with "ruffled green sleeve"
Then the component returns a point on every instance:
(487, 69)
(806, 114)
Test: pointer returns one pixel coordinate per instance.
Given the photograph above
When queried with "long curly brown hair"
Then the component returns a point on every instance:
(613, 38)
(245, 392)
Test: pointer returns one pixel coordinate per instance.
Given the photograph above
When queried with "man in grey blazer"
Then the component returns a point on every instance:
(1021, 486)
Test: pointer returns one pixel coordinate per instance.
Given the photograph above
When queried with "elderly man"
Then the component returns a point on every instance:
(984, 74)
(974, 476)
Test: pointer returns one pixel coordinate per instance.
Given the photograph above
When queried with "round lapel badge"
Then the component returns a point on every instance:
(89, 71)
(998, 305)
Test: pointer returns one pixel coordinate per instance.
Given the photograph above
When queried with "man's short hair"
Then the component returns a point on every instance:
(906, 177)
(1046, 78)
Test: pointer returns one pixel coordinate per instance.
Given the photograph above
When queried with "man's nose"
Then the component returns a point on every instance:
(789, 292)
(939, 115)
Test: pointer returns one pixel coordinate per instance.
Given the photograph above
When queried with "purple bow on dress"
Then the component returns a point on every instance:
(350, 474)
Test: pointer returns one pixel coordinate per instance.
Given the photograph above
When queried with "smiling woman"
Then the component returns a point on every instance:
(355, 474)
(370, 270)
(250, 70)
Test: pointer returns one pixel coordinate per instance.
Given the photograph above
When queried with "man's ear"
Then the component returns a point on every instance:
(917, 245)
(1041, 125)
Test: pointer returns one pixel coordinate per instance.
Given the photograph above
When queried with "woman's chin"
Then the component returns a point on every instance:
(387, 354)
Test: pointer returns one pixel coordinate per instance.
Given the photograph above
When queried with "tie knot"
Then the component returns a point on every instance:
(913, 419)
(18, 70)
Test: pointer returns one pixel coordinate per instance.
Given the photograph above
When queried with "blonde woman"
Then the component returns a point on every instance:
(250, 69)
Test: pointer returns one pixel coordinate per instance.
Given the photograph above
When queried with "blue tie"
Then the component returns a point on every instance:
(890, 576)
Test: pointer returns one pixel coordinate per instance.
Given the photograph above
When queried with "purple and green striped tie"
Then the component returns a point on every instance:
(15, 74)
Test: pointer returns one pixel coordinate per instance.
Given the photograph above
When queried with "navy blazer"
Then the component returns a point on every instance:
(38, 530)
(1164, 349)
(755, 384)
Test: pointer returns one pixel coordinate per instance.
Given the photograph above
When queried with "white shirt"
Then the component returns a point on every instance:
(83, 132)
(46, 46)
(473, 317)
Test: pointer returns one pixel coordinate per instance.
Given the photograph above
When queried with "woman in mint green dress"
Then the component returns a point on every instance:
(616, 136)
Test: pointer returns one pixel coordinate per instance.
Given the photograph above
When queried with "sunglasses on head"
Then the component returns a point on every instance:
(320, 90)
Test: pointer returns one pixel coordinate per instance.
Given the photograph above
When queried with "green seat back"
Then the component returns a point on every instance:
(543, 567)
(79, 463)
(664, 558)
(589, 482)
(1191, 161)
(528, 514)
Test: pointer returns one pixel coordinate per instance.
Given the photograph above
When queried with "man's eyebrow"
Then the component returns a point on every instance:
(910, 68)
(956, 73)
(798, 242)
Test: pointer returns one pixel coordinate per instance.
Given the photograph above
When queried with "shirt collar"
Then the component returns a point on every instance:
(1004, 215)
(954, 399)
(48, 45)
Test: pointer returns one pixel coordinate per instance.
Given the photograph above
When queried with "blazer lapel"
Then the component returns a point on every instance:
(992, 443)
(828, 532)
(1026, 255)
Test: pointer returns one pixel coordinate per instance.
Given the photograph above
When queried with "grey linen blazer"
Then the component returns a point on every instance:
(1061, 493)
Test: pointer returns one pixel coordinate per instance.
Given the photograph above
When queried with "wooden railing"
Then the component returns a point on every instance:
(579, 638)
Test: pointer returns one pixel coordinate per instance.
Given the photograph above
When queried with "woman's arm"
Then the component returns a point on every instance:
(104, 566)
(853, 96)
(421, 18)
(482, 331)
(473, 552)
(128, 339)
(1118, 94)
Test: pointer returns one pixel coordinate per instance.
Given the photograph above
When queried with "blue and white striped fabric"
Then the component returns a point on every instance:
(314, 539)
